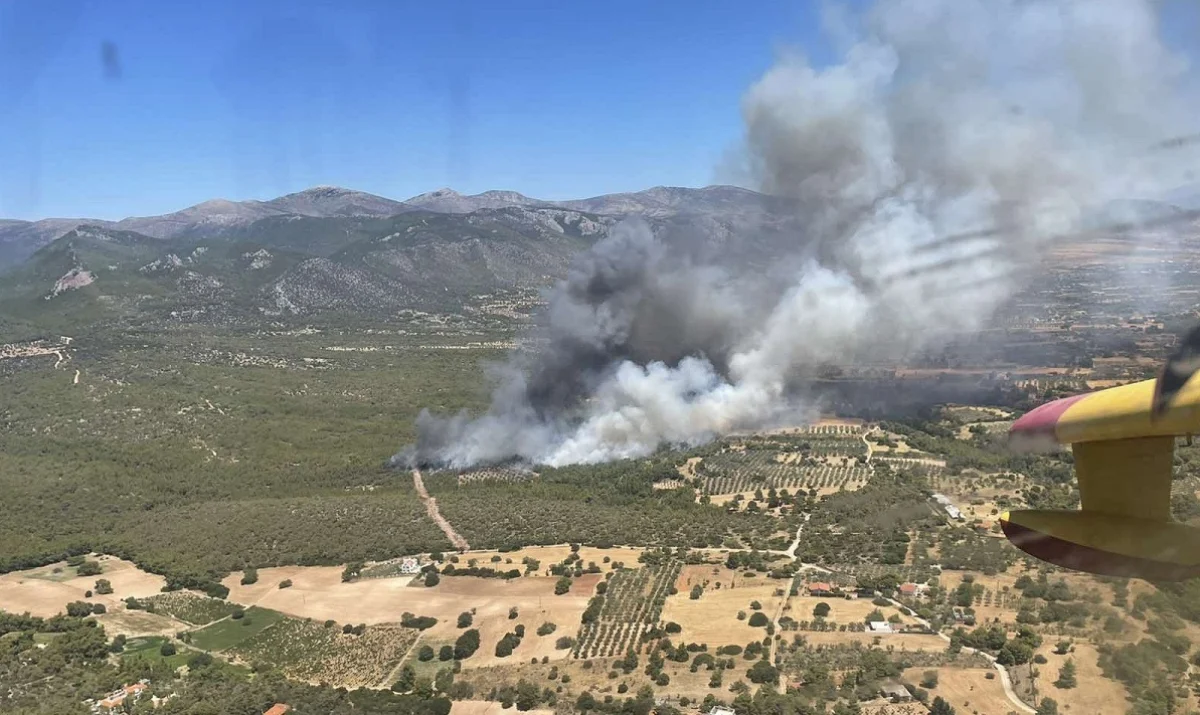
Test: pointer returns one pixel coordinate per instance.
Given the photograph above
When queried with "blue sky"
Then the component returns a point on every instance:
(256, 99)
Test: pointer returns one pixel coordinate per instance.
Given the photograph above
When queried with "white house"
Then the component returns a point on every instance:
(879, 627)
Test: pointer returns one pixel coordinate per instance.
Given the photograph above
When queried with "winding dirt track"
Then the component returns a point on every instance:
(431, 508)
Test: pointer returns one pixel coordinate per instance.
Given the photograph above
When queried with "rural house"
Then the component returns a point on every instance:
(117, 698)
(820, 588)
(912, 590)
(879, 627)
(278, 709)
(720, 710)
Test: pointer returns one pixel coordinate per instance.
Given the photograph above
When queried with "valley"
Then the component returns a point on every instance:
(224, 463)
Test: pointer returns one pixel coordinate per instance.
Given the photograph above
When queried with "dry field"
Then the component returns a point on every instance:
(486, 707)
(897, 641)
(712, 619)
(885, 707)
(318, 593)
(595, 679)
(841, 610)
(139, 623)
(42, 592)
(968, 690)
(1095, 693)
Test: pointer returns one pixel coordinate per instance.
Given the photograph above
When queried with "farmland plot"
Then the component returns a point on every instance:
(733, 472)
(189, 607)
(310, 651)
(632, 605)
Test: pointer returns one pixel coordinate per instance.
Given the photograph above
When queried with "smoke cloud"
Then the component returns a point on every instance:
(926, 172)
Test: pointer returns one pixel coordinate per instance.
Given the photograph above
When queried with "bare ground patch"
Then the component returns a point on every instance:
(968, 690)
(713, 617)
(41, 593)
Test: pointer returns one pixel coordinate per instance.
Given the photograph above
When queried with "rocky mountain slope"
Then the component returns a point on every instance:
(221, 218)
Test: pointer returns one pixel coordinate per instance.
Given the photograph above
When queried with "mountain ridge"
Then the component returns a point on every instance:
(212, 218)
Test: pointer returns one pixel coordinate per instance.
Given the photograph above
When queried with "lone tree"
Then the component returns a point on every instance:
(88, 568)
(466, 645)
(103, 587)
(1048, 706)
(1066, 676)
(940, 707)
(562, 586)
(821, 610)
(696, 591)
(464, 619)
(432, 578)
(249, 576)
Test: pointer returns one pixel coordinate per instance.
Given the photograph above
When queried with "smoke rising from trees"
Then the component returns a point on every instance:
(928, 170)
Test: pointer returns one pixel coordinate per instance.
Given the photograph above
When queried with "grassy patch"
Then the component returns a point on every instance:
(149, 648)
(229, 633)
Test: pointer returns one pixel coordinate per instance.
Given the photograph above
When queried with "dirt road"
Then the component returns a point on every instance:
(431, 508)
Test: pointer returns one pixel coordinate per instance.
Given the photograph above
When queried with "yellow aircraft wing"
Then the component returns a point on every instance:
(1123, 461)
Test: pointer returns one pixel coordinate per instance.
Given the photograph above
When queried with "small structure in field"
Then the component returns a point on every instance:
(278, 709)
(895, 692)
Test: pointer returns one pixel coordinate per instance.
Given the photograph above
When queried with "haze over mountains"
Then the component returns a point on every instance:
(335, 249)
(19, 239)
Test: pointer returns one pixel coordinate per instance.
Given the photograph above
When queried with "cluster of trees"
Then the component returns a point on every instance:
(868, 525)
(993, 639)
(599, 505)
(82, 609)
(1149, 670)
(421, 623)
(509, 642)
(480, 572)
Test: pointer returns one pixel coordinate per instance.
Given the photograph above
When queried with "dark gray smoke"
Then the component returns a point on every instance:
(995, 122)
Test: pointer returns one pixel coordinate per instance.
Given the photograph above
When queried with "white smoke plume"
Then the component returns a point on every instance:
(928, 169)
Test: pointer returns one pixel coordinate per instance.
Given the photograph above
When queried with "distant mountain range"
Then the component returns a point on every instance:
(329, 249)
(219, 217)
(332, 250)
